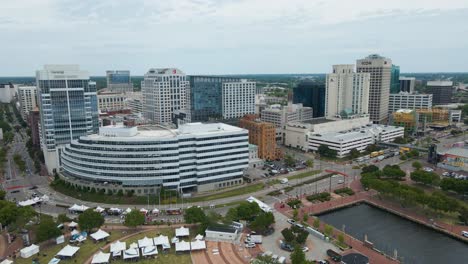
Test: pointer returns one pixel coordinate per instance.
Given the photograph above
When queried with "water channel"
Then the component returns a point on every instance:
(414, 243)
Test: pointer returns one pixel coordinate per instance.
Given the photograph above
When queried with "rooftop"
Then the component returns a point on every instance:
(462, 152)
(152, 132)
(219, 228)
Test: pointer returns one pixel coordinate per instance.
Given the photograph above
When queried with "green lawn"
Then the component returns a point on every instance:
(153, 199)
(86, 250)
(303, 175)
(229, 193)
(170, 258)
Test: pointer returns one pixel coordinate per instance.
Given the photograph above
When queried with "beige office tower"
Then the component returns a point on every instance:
(379, 90)
(346, 92)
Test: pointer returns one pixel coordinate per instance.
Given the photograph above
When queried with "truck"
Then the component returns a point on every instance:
(257, 239)
(376, 153)
(404, 150)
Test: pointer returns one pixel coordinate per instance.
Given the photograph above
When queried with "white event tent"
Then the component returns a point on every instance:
(182, 232)
(199, 237)
(117, 247)
(78, 208)
(72, 224)
(198, 245)
(99, 209)
(6, 261)
(131, 253)
(162, 241)
(54, 261)
(29, 251)
(182, 246)
(99, 235)
(68, 251)
(145, 242)
(149, 251)
(101, 258)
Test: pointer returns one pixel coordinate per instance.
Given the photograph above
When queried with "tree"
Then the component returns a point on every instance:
(417, 165)
(372, 148)
(47, 229)
(298, 256)
(295, 214)
(288, 235)
(393, 171)
(424, 177)
(328, 230)
(63, 218)
(264, 259)
(262, 222)
(247, 211)
(341, 238)
(413, 153)
(316, 223)
(2, 195)
(309, 163)
(354, 153)
(194, 215)
(289, 160)
(231, 215)
(305, 217)
(134, 219)
(370, 168)
(325, 151)
(90, 219)
(400, 140)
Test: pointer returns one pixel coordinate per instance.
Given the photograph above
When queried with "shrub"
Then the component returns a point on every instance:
(319, 196)
(346, 190)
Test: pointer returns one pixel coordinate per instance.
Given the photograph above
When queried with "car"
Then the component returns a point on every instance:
(305, 249)
(291, 221)
(340, 181)
(323, 261)
(250, 245)
(33, 187)
(427, 169)
(15, 191)
(299, 225)
(446, 174)
(464, 233)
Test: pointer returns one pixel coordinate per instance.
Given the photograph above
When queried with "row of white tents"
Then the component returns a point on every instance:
(34, 201)
(81, 208)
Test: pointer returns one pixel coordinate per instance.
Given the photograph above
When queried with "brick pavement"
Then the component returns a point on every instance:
(369, 197)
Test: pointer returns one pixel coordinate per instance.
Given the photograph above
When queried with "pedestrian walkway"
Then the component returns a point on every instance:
(370, 197)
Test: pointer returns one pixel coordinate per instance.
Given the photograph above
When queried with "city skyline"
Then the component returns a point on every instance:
(227, 37)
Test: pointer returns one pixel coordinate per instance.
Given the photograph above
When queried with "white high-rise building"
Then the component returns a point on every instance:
(346, 92)
(238, 99)
(404, 100)
(380, 69)
(281, 115)
(27, 96)
(68, 108)
(165, 92)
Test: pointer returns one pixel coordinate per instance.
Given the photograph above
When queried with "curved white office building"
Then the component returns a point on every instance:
(194, 157)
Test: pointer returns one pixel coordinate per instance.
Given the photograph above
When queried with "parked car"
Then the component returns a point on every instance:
(250, 245)
(305, 249)
(286, 246)
(291, 221)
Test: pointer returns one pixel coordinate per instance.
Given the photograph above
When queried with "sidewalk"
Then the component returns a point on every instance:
(369, 197)
(59, 198)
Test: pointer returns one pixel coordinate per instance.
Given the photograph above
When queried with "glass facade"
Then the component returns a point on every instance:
(68, 110)
(177, 162)
(311, 94)
(395, 79)
(206, 97)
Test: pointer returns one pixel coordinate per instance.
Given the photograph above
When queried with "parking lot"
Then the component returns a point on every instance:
(317, 247)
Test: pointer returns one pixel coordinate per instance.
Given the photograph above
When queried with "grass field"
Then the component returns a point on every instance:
(89, 248)
(303, 175)
(170, 258)
(152, 199)
(86, 249)
(230, 193)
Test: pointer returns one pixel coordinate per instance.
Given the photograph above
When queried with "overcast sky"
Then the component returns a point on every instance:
(231, 36)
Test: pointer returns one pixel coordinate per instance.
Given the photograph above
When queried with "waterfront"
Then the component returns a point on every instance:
(415, 243)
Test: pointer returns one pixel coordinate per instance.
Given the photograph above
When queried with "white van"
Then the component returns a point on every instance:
(284, 180)
(465, 233)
